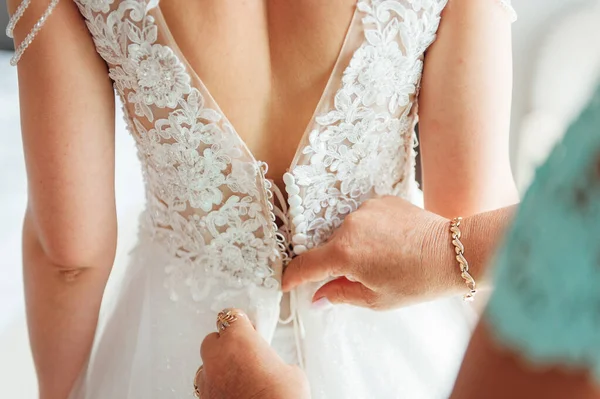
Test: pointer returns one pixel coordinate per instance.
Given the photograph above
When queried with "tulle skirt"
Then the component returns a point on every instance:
(147, 345)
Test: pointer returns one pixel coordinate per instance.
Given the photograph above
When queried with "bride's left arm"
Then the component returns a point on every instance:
(464, 104)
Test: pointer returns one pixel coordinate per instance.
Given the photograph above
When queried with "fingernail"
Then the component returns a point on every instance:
(321, 304)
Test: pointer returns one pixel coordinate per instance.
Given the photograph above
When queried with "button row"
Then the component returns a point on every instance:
(299, 239)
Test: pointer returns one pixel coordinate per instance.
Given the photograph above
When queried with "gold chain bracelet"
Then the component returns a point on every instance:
(459, 248)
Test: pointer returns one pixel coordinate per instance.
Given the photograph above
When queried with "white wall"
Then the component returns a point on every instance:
(536, 18)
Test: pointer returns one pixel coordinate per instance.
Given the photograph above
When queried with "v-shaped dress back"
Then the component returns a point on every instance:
(208, 238)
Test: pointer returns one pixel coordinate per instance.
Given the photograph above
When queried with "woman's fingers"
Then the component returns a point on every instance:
(344, 291)
(209, 345)
(230, 323)
(201, 384)
(312, 266)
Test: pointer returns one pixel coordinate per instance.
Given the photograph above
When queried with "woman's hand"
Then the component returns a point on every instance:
(387, 254)
(239, 363)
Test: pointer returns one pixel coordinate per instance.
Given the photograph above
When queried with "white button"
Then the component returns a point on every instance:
(298, 249)
(295, 201)
(292, 189)
(289, 179)
(299, 239)
(296, 211)
(298, 219)
(301, 228)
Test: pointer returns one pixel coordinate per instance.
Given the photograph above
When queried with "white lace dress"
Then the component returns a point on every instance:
(209, 238)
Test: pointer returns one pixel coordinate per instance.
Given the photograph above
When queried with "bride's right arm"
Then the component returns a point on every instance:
(69, 232)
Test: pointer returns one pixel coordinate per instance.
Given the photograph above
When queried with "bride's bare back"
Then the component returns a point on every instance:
(266, 63)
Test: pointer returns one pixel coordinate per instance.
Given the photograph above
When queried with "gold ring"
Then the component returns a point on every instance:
(196, 387)
(225, 318)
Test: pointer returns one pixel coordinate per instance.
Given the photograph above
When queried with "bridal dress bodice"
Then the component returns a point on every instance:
(209, 203)
(217, 232)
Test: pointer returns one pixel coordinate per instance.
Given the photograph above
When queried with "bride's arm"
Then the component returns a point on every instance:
(69, 233)
(465, 105)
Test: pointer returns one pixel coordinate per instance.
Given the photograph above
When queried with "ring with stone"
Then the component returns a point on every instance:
(225, 318)
(196, 386)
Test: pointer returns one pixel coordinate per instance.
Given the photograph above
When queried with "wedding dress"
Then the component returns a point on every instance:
(217, 232)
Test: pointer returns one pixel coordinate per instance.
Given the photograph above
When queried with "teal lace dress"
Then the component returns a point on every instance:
(546, 305)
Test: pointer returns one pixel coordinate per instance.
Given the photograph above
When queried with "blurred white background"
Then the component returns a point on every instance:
(559, 53)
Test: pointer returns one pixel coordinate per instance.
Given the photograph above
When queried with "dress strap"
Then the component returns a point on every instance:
(20, 49)
(16, 17)
(298, 325)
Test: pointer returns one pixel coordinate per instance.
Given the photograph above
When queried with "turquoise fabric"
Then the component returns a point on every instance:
(546, 304)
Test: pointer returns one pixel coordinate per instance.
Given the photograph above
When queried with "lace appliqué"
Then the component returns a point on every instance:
(209, 203)
(205, 199)
(507, 5)
(364, 146)
(546, 301)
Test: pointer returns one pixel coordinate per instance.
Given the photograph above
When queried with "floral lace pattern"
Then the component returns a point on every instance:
(364, 146)
(205, 199)
(209, 203)
(507, 5)
(97, 5)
